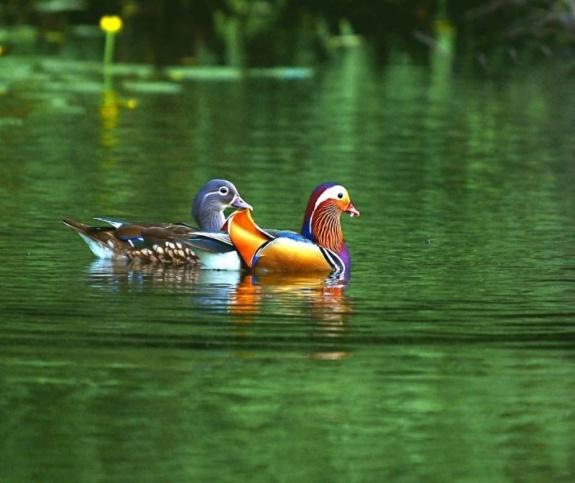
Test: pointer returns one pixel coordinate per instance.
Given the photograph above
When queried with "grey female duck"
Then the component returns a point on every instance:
(165, 242)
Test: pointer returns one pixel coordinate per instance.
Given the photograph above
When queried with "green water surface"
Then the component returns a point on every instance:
(449, 356)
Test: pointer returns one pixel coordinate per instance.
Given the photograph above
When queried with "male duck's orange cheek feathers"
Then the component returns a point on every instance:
(246, 236)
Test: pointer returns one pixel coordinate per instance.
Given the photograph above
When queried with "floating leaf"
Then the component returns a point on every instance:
(152, 87)
(203, 73)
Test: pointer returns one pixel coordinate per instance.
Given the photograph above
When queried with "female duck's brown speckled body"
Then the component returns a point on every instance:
(164, 242)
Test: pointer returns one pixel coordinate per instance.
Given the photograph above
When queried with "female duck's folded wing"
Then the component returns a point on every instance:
(181, 227)
(211, 242)
(136, 242)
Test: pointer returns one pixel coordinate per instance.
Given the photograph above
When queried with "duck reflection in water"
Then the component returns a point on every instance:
(322, 297)
(209, 287)
(244, 296)
(310, 296)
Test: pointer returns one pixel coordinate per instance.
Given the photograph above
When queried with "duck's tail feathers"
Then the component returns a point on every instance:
(76, 225)
(90, 234)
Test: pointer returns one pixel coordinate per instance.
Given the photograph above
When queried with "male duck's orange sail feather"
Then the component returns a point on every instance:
(246, 236)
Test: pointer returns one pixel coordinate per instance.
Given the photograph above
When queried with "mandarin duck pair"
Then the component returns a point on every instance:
(235, 243)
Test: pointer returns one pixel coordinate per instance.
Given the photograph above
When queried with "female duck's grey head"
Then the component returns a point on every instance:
(211, 201)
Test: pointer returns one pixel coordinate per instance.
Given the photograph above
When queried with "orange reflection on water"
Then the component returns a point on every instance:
(245, 300)
(291, 294)
(244, 296)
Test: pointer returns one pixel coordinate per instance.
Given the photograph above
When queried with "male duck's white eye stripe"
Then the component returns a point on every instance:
(329, 193)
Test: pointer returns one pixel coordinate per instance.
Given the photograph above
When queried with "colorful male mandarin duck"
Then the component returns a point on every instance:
(163, 242)
(319, 247)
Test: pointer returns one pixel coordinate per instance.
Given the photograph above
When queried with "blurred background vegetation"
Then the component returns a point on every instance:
(291, 32)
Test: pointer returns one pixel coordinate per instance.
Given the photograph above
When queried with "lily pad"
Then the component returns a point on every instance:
(80, 86)
(282, 72)
(141, 87)
(203, 73)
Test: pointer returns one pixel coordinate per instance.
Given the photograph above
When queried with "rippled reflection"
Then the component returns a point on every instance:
(459, 318)
(323, 296)
(122, 276)
(243, 295)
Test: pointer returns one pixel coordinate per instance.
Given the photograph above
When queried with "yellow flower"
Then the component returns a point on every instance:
(111, 23)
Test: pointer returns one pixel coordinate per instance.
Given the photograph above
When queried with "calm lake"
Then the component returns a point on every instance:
(449, 356)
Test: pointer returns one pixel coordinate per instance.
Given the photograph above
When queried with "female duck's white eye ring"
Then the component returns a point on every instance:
(224, 190)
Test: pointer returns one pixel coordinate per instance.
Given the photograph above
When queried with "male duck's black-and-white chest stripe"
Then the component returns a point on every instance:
(334, 260)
